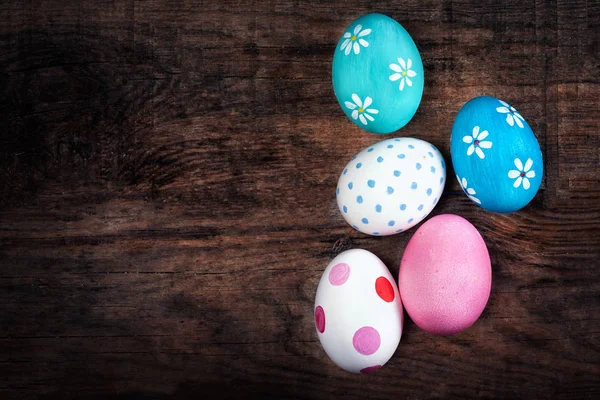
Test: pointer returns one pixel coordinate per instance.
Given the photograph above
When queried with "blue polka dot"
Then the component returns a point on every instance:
(433, 147)
(345, 209)
(359, 165)
(420, 207)
(410, 220)
(365, 221)
(432, 169)
(396, 140)
(371, 183)
(401, 156)
(442, 179)
(353, 158)
(350, 185)
(359, 200)
(390, 146)
(418, 166)
(396, 173)
(443, 164)
(399, 230)
(390, 190)
(370, 150)
(410, 146)
(375, 233)
(414, 185)
(403, 207)
(435, 200)
(391, 223)
(379, 159)
(355, 227)
(345, 171)
(429, 191)
(378, 208)
(337, 191)
(430, 154)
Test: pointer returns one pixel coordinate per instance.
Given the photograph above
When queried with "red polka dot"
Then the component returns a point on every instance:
(384, 289)
(339, 274)
(366, 340)
(320, 319)
(370, 369)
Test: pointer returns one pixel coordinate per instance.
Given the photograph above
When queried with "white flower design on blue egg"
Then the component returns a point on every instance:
(522, 173)
(403, 72)
(360, 109)
(477, 143)
(512, 115)
(355, 40)
(470, 192)
(391, 186)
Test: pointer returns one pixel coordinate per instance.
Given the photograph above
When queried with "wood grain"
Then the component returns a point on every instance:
(168, 169)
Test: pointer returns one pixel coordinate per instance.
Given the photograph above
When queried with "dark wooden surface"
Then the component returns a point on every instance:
(167, 177)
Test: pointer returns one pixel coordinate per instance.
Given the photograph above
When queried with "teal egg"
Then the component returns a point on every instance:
(495, 155)
(377, 74)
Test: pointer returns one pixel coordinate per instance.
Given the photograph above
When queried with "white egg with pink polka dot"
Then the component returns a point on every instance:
(358, 312)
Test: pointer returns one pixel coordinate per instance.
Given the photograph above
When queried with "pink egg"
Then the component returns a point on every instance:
(445, 275)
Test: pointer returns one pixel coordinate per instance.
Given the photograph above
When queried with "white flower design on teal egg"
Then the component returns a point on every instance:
(403, 72)
(512, 115)
(354, 41)
(522, 173)
(477, 143)
(469, 191)
(360, 109)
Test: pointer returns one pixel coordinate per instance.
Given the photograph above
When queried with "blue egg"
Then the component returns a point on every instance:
(377, 74)
(495, 154)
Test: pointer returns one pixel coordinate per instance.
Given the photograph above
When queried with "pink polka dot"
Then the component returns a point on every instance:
(339, 274)
(370, 369)
(366, 340)
(320, 319)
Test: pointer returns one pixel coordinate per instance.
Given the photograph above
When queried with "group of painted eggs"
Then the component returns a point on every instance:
(445, 277)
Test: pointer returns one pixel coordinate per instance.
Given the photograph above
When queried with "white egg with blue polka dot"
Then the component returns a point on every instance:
(391, 186)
